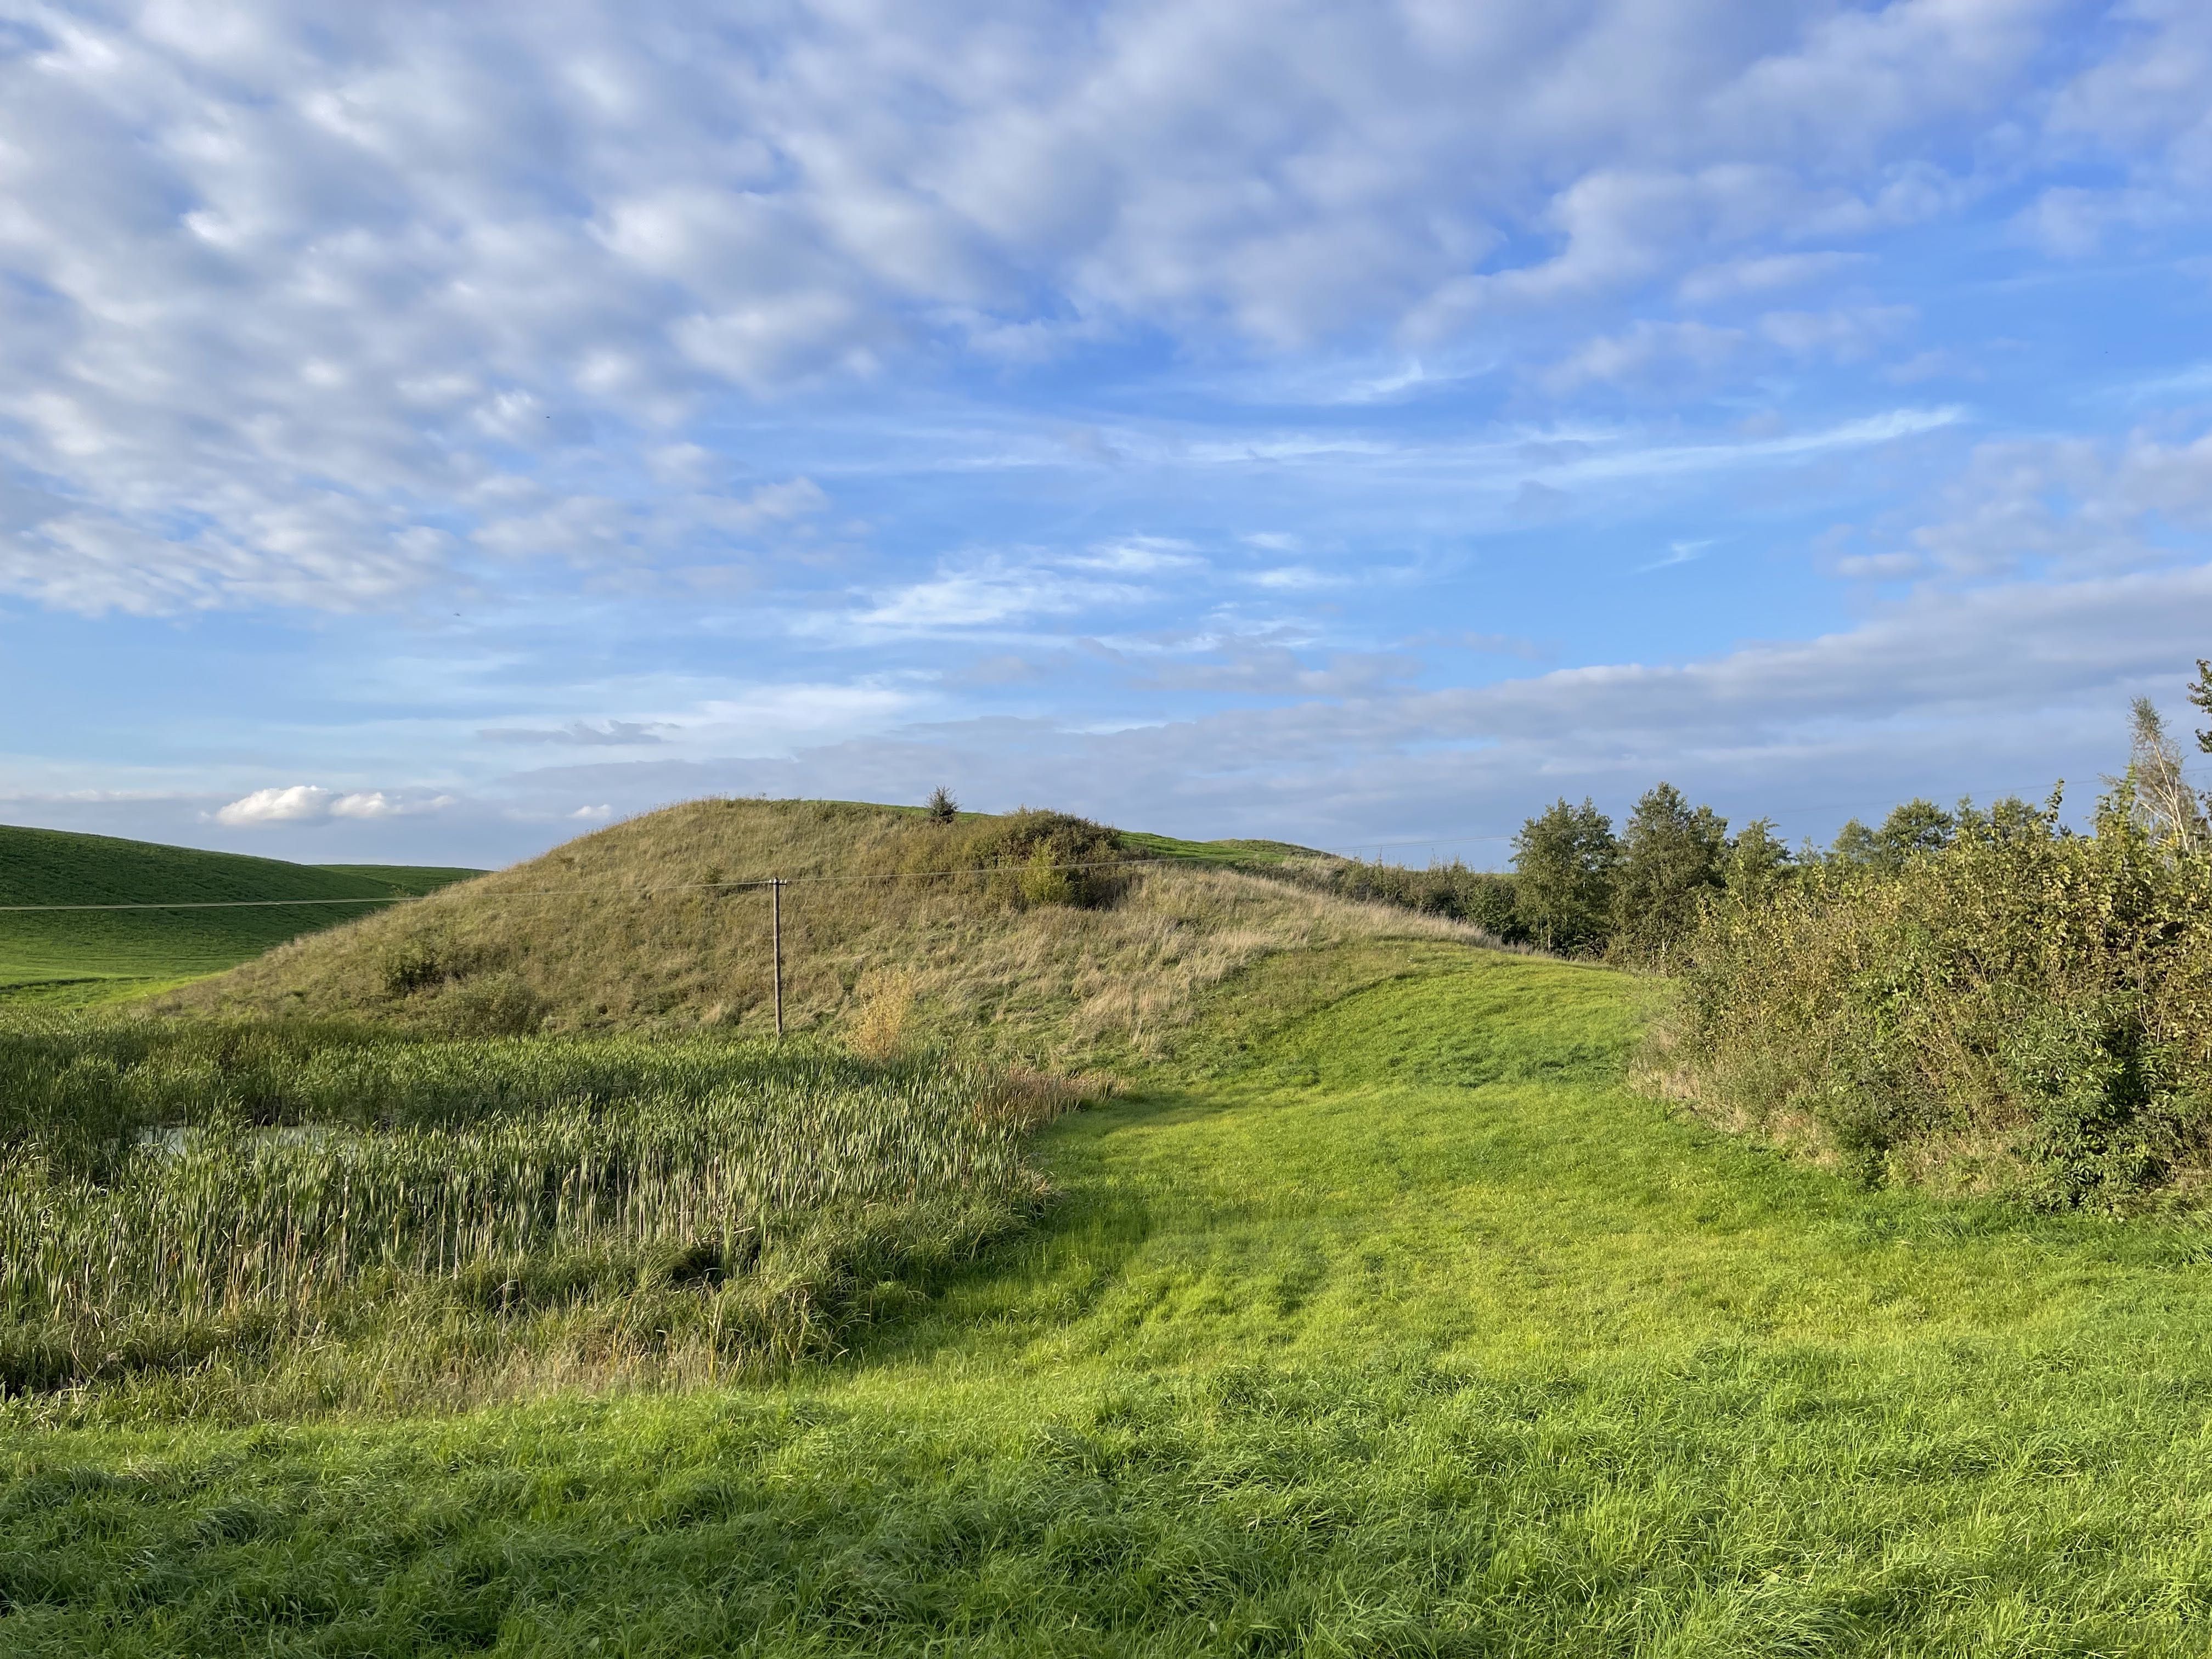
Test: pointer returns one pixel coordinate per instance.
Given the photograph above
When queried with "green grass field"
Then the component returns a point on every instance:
(77, 956)
(1416, 1334)
(1233, 855)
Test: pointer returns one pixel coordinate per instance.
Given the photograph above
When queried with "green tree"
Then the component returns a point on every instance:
(1672, 855)
(1757, 865)
(1915, 827)
(2201, 695)
(1563, 862)
(1855, 847)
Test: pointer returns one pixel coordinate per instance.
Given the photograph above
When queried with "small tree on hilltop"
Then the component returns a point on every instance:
(1563, 861)
(1671, 856)
(943, 809)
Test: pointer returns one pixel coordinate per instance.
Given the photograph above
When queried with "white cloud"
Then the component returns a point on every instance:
(1762, 274)
(307, 803)
(581, 733)
(296, 804)
(1137, 555)
(2071, 507)
(1659, 460)
(2001, 689)
(1683, 552)
(1647, 347)
(991, 593)
(373, 803)
(1293, 578)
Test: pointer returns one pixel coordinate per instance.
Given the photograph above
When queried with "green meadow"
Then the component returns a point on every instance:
(1398, 1325)
(79, 957)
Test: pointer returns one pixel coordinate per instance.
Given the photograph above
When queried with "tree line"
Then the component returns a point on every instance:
(1582, 888)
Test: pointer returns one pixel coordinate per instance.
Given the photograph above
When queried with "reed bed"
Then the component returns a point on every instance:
(177, 1199)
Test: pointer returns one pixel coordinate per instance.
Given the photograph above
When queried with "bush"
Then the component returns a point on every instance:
(2019, 1008)
(1030, 858)
(1480, 896)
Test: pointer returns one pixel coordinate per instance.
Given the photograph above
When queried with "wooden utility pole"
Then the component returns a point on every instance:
(776, 930)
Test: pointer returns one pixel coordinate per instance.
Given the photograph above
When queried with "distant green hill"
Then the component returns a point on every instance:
(1235, 854)
(89, 955)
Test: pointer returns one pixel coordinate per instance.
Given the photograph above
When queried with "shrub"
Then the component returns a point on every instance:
(1030, 858)
(2022, 1008)
(1915, 827)
(1480, 896)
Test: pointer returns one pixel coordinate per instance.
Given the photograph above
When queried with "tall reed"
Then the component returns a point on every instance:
(170, 1194)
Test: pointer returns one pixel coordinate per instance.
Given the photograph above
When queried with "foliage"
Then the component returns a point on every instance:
(1913, 828)
(2200, 695)
(2165, 806)
(1566, 859)
(2022, 1008)
(1757, 864)
(1235, 853)
(884, 1025)
(1670, 860)
(217, 1200)
(940, 806)
(1480, 897)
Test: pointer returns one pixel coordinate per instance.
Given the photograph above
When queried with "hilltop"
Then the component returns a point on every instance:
(77, 955)
(1029, 935)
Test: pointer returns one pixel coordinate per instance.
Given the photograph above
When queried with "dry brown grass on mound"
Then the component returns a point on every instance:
(614, 931)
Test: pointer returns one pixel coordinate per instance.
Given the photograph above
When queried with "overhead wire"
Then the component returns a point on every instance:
(1996, 790)
(585, 892)
(1431, 841)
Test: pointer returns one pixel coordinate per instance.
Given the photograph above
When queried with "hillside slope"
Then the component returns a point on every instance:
(1031, 936)
(69, 952)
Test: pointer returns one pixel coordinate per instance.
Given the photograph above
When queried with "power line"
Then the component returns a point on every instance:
(617, 892)
(1357, 847)
(219, 904)
(1996, 790)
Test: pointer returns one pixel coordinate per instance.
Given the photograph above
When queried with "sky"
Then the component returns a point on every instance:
(427, 433)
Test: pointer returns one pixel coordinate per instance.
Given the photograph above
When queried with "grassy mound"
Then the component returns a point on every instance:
(78, 955)
(1032, 935)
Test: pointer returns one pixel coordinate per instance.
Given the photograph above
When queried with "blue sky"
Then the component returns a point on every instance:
(427, 434)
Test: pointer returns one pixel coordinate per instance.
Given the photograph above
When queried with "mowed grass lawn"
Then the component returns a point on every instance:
(1424, 1336)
